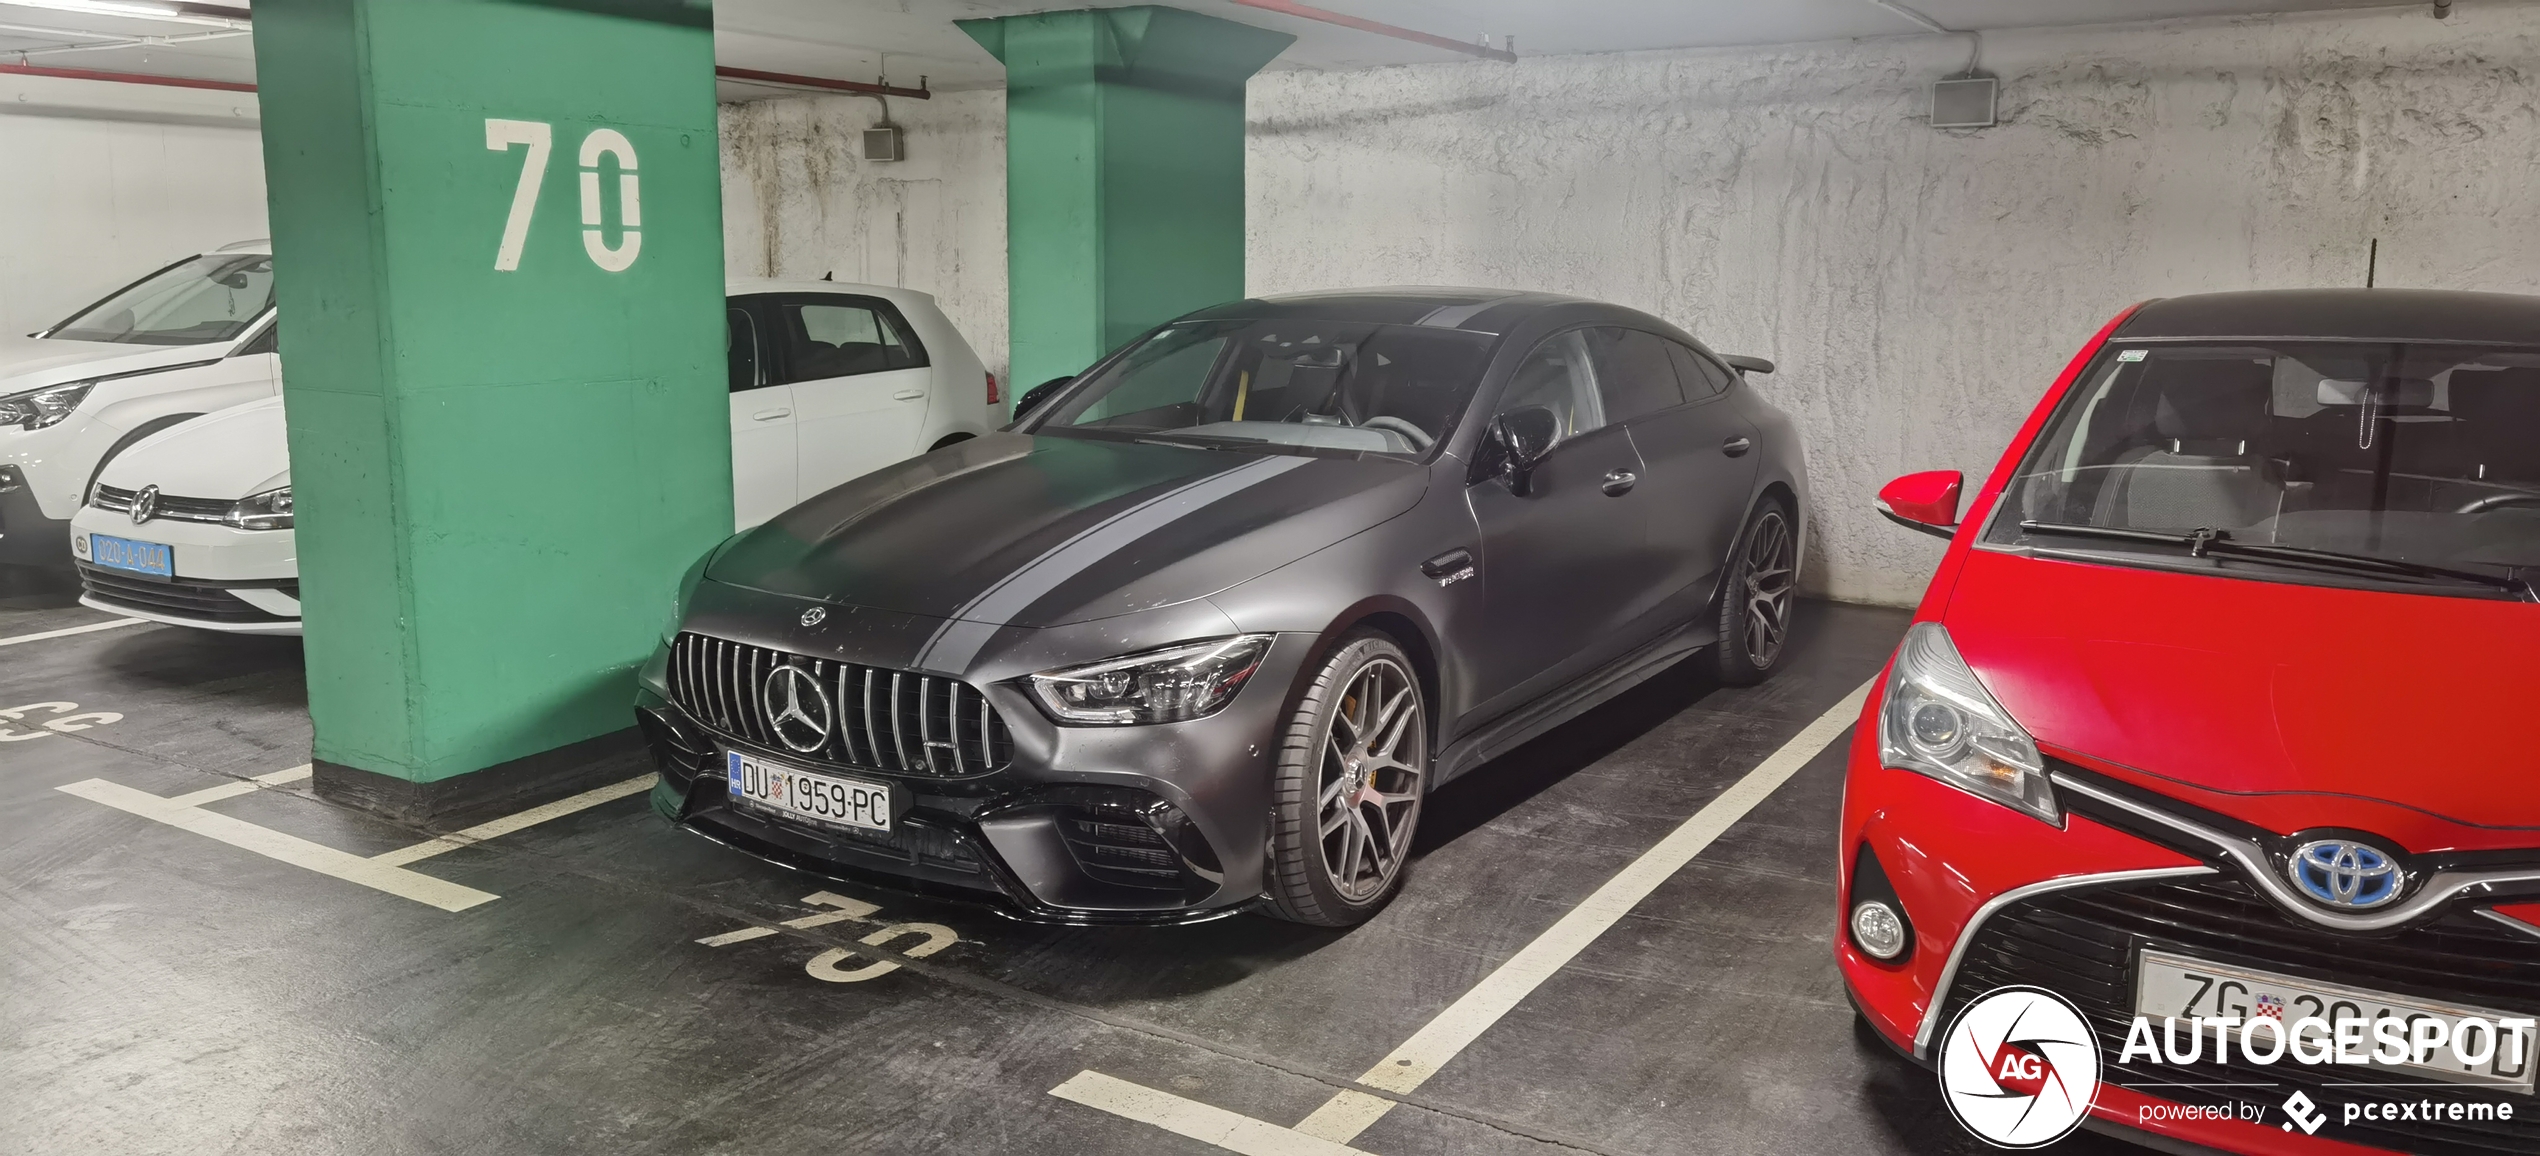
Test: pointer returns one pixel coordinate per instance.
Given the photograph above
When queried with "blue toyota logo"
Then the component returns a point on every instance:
(2345, 873)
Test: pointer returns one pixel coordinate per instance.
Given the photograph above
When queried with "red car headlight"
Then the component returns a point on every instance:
(1939, 720)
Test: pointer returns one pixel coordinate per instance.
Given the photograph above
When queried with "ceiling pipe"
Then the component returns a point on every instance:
(791, 80)
(124, 77)
(1307, 12)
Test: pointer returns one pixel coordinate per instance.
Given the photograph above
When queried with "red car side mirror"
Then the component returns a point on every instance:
(1925, 503)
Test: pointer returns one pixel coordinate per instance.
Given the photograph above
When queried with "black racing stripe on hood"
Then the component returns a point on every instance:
(932, 535)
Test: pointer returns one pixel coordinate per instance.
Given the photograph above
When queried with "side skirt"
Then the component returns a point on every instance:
(1578, 697)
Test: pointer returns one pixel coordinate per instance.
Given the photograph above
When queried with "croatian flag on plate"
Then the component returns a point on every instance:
(2271, 1006)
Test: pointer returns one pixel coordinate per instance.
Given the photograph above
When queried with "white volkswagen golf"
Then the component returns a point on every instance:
(829, 381)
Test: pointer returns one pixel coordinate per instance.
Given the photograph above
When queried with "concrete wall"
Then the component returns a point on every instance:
(1920, 288)
(102, 183)
(799, 202)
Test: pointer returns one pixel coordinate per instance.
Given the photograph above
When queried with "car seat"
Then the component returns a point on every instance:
(2202, 468)
(2497, 415)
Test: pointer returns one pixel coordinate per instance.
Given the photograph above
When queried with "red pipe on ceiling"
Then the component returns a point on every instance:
(1308, 12)
(125, 77)
(743, 74)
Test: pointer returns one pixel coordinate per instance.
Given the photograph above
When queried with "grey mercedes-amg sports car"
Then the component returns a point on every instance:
(1204, 627)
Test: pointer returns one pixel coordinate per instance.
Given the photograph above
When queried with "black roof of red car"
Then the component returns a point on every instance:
(2342, 314)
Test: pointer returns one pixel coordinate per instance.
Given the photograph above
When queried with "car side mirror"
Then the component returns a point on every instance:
(1038, 394)
(1926, 503)
(1515, 443)
(1745, 365)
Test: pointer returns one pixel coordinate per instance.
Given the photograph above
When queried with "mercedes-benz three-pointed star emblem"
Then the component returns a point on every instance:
(798, 708)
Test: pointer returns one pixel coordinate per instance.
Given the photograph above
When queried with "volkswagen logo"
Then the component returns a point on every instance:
(813, 616)
(145, 504)
(2345, 873)
(798, 710)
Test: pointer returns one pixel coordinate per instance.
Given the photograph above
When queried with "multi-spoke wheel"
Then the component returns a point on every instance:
(1756, 596)
(1353, 769)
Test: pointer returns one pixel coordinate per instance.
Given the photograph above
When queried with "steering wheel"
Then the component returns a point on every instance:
(1420, 439)
(2494, 501)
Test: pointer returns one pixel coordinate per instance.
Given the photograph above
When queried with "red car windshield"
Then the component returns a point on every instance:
(2403, 458)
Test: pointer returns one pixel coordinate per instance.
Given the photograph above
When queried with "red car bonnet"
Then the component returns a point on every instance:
(2289, 705)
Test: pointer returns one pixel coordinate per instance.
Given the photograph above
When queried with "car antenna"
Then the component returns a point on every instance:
(2372, 264)
(832, 275)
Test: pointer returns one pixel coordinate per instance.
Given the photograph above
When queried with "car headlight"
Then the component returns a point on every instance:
(38, 408)
(1175, 684)
(1940, 721)
(270, 510)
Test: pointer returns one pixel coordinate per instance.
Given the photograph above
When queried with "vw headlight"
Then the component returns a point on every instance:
(1175, 684)
(270, 510)
(38, 408)
(1940, 721)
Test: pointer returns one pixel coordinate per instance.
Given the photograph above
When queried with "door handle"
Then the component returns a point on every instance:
(1619, 482)
(771, 414)
(1736, 447)
(908, 395)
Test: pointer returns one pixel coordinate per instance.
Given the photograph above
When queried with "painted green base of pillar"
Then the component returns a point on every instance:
(498, 252)
(1124, 173)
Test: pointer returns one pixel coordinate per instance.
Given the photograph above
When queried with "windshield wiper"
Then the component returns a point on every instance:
(2208, 541)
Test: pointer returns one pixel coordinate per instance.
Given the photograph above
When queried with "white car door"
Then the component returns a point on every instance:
(762, 427)
(860, 381)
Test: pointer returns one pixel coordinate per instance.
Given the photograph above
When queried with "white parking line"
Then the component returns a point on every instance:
(510, 823)
(67, 631)
(274, 844)
(1231, 1131)
(247, 787)
(1350, 1112)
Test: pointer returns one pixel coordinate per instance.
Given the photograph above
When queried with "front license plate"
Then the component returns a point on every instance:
(2175, 985)
(150, 558)
(803, 794)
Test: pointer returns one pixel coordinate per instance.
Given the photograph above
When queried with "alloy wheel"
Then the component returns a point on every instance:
(1373, 756)
(1771, 554)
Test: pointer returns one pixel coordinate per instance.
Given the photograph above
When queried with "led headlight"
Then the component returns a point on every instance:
(1940, 721)
(1175, 684)
(270, 510)
(38, 408)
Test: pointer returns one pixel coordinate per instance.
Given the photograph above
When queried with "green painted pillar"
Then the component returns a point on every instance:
(498, 247)
(1124, 173)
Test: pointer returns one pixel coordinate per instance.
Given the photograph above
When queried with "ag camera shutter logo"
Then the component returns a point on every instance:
(2019, 1067)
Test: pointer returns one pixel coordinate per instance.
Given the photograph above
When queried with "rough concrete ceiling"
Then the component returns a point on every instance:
(867, 39)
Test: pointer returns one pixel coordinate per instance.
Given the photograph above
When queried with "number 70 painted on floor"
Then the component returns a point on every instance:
(539, 137)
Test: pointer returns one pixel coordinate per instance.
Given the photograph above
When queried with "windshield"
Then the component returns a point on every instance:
(2427, 454)
(1386, 389)
(210, 298)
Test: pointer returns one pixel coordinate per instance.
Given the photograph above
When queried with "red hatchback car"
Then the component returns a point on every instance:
(2225, 703)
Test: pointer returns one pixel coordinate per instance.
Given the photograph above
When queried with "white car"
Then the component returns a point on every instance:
(829, 381)
(191, 338)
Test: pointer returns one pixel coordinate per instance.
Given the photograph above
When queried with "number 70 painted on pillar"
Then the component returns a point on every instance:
(539, 136)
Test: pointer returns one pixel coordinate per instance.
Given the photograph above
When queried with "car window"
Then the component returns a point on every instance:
(1702, 376)
(209, 298)
(740, 348)
(1633, 373)
(810, 339)
(1245, 383)
(269, 341)
(1559, 376)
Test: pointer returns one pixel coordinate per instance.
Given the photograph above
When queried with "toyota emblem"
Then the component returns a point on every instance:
(813, 616)
(797, 707)
(2345, 873)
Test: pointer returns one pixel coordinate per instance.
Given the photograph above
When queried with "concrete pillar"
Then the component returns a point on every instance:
(1124, 173)
(498, 249)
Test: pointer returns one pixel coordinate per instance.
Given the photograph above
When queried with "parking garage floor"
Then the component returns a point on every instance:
(193, 959)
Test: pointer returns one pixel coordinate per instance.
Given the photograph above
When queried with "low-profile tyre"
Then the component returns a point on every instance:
(1352, 773)
(1757, 594)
